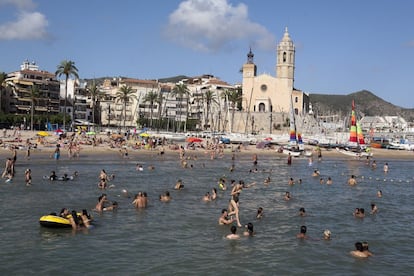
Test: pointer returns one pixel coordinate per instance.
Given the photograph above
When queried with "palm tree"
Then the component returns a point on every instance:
(3, 77)
(159, 101)
(96, 95)
(209, 98)
(234, 97)
(34, 95)
(125, 95)
(67, 68)
(179, 91)
(151, 97)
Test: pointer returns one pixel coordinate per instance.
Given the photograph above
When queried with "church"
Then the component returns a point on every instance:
(268, 94)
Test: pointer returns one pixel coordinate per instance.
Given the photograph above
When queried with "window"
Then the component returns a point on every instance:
(263, 87)
(296, 99)
(262, 107)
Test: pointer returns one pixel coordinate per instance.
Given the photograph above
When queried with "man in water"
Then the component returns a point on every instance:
(302, 234)
(224, 218)
(352, 181)
(233, 235)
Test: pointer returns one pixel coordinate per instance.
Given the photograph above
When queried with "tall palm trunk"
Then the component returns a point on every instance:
(66, 96)
(31, 114)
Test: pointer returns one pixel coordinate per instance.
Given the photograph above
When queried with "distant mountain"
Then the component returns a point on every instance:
(366, 104)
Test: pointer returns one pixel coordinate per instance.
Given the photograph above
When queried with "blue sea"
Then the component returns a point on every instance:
(182, 237)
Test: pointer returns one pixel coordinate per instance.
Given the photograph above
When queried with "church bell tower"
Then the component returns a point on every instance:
(285, 66)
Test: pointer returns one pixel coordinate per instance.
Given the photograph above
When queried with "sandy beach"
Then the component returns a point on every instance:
(44, 146)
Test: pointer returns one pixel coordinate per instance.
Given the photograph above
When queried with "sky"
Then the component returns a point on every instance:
(341, 46)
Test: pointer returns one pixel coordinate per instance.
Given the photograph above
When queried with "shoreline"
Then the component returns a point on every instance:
(105, 149)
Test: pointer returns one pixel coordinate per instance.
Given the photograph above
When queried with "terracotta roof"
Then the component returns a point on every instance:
(42, 73)
(137, 81)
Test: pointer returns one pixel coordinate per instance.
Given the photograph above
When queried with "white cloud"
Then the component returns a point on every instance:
(28, 24)
(211, 25)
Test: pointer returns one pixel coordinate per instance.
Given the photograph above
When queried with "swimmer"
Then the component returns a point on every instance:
(379, 193)
(359, 251)
(352, 181)
(249, 230)
(386, 168)
(365, 248)
(179, 185)
(233, 235)
(302, 233)
(28, 177)
(327, 234)
(315, 173)
(139, 167)
(224, 218)
(213, 194)
(374, 209)
(165, 197)
(260, 213)
(302, 212)
(287, 196)
(329, 181)
(53, 176)
(113, 206)
(359, 212)
(207, 197)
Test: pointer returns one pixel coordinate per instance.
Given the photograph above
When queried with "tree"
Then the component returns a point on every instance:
(67, 68)
(151, 97)
(124, 95)
(3, 85)
(209, 98)
(159, 101)
(179, 92)
(234, 97)
(34, 95)
(96, 96)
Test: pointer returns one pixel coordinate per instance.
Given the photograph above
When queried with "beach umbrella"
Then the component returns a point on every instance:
(194, 140)
(144, 134)
(42, 133)
(90, 133)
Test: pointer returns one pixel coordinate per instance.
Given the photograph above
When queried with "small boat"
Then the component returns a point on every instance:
(356, 146)
(295, 147)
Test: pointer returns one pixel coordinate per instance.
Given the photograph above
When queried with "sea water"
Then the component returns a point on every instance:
(182, 237)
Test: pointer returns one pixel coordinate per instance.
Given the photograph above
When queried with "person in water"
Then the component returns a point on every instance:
(53, 176)
(28, 177)
(260, 213)
(359, 251)
(112, 207)
(249, 230)
(233, 235)
(101, 201)
(64, 213)
(302, 233)
(165, 197)
(327, 234)
(179, 185)
(224, 218)
(352, 181)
